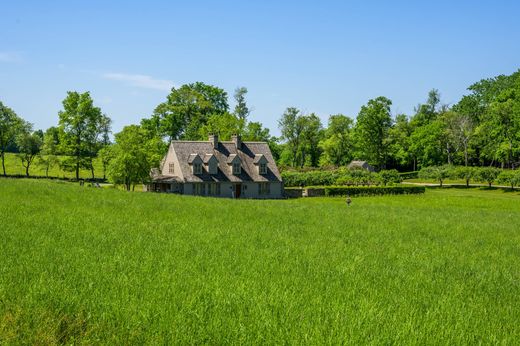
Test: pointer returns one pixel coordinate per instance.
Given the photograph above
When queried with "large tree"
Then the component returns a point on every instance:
(29, 145)
(49, 151)
(291, 131)
(79, 122)
(241, 109)
(11, 125)
(337, 143)
(372, 128)
(133, 155)
(188, 108)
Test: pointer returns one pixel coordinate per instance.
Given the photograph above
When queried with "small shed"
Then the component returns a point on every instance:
(361, 165)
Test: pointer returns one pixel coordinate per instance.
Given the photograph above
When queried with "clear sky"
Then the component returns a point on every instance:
(325, 57)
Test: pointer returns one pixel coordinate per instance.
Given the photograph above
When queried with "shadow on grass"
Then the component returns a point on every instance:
(480, 188)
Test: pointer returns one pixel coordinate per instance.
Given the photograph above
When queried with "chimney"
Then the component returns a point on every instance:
(237, 139)
(213, 139)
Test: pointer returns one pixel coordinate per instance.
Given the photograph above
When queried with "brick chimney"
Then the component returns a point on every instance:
(213, 139)
(237, 139)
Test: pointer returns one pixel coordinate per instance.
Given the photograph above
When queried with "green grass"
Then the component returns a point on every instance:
(13, 166)
(102, 266)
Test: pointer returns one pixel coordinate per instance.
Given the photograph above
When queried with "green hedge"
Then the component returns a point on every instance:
(372, 191)
(409, 175)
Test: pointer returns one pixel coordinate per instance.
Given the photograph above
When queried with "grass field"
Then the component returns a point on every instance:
(13, 166)
(102, 266)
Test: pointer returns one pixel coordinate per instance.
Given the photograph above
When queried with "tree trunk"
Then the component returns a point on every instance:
(92, 169)
(47, 171)
(3, 162)
(77, 170)
(27, 170)
(466, 156)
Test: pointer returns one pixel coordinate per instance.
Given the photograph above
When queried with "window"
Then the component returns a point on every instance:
(171, 168)
(197, 168)
(264, 189)
(236, 168)
(198, 189)
(214, 189)
(263, 168)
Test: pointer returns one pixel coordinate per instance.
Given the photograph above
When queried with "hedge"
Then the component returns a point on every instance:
(373, 190)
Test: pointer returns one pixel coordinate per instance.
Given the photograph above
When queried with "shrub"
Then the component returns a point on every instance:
(439, 173)
(389, 177)
(372, 191)
(464, 172)
(409, 175)
(510, 178)
(487, 174)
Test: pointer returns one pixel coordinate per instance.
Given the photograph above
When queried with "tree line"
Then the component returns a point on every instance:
(482, 129)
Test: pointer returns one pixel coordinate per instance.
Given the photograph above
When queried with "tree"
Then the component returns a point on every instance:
(291, 131)
(188, 108)
(439, 173)
(133, 155)
(241, 109)
(466, 173)
(224, 125)
(509, 177)
(48, 153)
(105, 129)
(79, 122)
(488, 174)
(337, 143)
(29, 145)
(10, 127)
(312, 133)
(460, 129)
(372, 127)
(399, 142)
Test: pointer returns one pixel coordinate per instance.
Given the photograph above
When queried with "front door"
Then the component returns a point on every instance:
(238, 190)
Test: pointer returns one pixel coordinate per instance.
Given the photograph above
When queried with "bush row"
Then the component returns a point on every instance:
(341, 176)
(488, 175)
(372, 191)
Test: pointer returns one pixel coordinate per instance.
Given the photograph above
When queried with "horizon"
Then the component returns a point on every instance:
(324, 59)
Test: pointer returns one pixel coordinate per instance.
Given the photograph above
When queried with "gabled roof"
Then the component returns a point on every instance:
(225, 153)
(209, 157)
(194, 158)
(259, 158)
(232, 158)
(360, 165)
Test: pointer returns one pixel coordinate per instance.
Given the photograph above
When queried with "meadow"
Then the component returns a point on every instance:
(103, 266)
(13, 166)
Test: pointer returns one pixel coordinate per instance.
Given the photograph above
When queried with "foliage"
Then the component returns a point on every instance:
(439, 173)
(372, 190)
(132, 156)
(29, 145)
(389, 177)
(372, 129)
(487, 174)
(509, 177)
(80, 124)
(11, 125)
(466, 173)
(337, 144)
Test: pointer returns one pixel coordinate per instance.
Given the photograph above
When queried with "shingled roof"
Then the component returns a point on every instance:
(186, 152)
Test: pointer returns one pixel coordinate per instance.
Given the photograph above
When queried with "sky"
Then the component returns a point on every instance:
(323, 57)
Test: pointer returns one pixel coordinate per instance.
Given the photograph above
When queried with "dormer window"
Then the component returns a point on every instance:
(236, 168)
(235, 163)
(196, 163)
(211, 163)
(261, 162)
(171, 168)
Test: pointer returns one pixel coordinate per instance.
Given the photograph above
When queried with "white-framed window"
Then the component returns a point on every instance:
(264, 189)
(236, 168)
(263, 168)
(171, 168)
(197, 168)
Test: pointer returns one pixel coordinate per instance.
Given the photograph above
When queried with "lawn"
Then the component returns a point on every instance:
(13, 166)
(103, 266)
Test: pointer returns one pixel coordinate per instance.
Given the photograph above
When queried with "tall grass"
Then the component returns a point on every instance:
(96, 266)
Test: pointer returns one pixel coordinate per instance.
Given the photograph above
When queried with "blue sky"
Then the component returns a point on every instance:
(325, 57)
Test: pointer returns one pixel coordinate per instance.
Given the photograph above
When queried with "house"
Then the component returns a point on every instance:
(234, 169)
(360, 165)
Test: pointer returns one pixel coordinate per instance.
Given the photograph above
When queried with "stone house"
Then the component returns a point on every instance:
(233, 169)
(360, 165)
